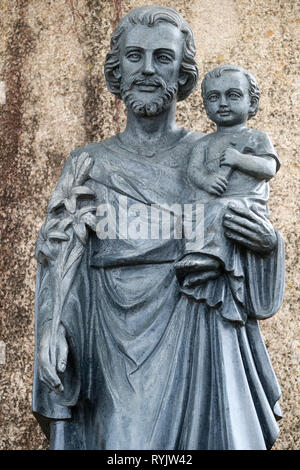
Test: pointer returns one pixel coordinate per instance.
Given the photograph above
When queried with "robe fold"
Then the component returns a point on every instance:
(151, 366)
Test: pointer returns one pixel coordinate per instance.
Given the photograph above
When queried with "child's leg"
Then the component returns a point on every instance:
(195, 268)
(196, 262)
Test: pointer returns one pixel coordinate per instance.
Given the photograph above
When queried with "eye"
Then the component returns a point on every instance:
(213, 97)
(134, 56)
(164, 59)
(235, 96)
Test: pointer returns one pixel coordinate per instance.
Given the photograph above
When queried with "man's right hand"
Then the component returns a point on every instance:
(47, 370)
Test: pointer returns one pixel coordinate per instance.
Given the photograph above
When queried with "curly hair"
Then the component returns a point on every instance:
(150, 16)
(254, 92)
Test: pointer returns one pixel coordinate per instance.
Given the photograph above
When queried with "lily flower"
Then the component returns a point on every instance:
(48, 232)
(79, 221)
(72, 185)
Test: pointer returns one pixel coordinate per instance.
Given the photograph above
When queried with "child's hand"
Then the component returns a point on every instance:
(215, 184)
(230, 157)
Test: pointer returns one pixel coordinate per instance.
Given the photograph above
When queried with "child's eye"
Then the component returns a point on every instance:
(234, 96)
(212, 98)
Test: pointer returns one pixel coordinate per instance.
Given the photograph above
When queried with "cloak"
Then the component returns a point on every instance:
(151, 366)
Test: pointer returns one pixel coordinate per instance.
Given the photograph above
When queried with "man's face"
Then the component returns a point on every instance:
(227, 100)
(150, 61)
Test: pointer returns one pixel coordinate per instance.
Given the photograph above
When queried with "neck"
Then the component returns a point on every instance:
(230, 129)
(149, 131)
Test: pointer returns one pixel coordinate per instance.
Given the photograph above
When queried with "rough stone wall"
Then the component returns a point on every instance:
(51, 68)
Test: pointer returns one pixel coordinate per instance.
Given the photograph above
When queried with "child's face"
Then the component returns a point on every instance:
(227, 101)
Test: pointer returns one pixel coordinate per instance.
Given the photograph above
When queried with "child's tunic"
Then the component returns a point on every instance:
(243, 190)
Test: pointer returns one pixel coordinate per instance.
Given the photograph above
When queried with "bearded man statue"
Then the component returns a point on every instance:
(124, 358)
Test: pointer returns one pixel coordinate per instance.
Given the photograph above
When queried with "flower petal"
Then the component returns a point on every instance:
(90, 220)
(67, 184)
(86, 209)
(81, 232)
(48, 225)
(44, 251)
(56, 200)
(64, 223)
(70, 204)
(83, 191)
(82, 167)
(58, 235)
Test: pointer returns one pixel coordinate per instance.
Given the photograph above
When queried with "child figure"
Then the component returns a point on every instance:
(231, 165)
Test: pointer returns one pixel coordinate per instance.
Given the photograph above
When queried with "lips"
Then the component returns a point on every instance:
(147, 87)
(224, 113)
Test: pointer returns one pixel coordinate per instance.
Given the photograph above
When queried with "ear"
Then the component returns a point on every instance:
(253, 105)
(116, 73)
(183, 78)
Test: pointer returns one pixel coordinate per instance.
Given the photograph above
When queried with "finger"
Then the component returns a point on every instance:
(244, 212)
(222, 184)
(240, 230)
(222, 179)
(62, 354)
(213, 190)
(51, 379)
(218, 186)
(220, 189)
(216, 192)
(240, 221)
(48, 373)
(53, 388)
(244, 242)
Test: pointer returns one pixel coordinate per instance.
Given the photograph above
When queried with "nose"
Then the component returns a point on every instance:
(148, 68)
(223, 101)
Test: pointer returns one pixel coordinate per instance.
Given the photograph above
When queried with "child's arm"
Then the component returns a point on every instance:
(200, 177)
(261, 167)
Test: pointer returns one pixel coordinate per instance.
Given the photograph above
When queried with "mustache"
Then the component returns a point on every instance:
(154, 81)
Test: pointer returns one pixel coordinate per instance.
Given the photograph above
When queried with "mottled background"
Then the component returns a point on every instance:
(51, 72)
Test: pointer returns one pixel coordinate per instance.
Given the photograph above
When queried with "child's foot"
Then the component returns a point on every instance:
(196, 262)
(194, 269)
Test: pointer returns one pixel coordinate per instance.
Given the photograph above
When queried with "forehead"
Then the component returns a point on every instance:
(160, 36)
(227, 80)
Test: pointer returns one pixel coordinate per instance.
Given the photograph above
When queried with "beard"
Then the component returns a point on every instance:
(145, 108)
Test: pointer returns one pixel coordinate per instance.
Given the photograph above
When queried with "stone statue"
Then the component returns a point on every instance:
(145, 339)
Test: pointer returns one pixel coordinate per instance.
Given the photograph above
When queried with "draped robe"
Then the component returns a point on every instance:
(150, 367)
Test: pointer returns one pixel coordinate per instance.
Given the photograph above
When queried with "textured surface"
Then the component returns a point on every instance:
(52, 55)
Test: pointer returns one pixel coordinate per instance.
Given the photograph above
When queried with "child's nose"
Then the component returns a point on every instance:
(223, 101)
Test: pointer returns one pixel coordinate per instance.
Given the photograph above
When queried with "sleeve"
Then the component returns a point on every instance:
(260, 144)
(73, 260)
(265, 282)
(44, 404)
(47, 405)
(253, 288)
(44, 252)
